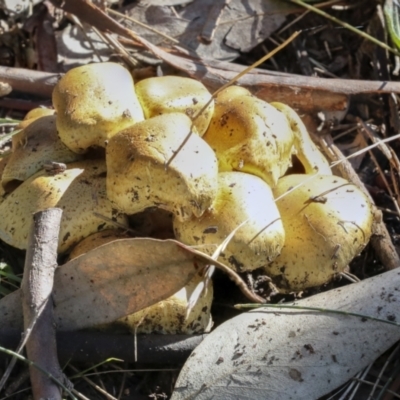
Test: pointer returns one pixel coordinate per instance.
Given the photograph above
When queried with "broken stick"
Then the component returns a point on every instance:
(37, 285)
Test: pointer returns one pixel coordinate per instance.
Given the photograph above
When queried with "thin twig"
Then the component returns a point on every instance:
(230, 272)
(97, 387)
(34, 365)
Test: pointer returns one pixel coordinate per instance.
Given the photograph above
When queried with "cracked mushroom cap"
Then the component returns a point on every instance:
(79, 191)
(93, 103)
(137, 177)
(35, 145)
(166, 94)
(167, 316)
(241, 197)
(249, 135)
(306, 151)
(327, 221)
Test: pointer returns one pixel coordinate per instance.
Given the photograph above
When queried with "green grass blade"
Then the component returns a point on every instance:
(9, 121)
(392, 15)
(31, 363)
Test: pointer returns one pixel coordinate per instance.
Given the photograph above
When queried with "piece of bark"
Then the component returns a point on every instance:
(303, 99)
(22, 104)
(308, 94)
(29, 81)
(37, 286)
(95, 347)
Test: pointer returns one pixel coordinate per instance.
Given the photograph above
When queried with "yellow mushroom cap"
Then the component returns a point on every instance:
(137, 177)
(241, 197)
(79, 191)
(249, 135)
(327, 222)
(93, 103)
(32, 147)
(306, 151)
(165, 94)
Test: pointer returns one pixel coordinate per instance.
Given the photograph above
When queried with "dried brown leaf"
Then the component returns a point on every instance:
(112, 281)
(213, 29)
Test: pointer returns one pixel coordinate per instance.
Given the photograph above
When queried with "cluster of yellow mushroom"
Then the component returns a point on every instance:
(231, 174)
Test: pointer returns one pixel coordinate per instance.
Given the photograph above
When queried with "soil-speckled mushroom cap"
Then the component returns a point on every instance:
(137, 176)
(327, 221)
(241, 197)
(80, 191)
(35, 145)
(249, 135)
(165, 94)
(93, 103)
